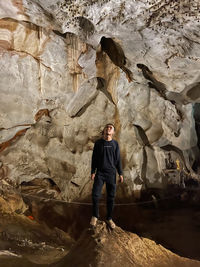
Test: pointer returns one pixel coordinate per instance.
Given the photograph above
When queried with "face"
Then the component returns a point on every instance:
(109, 130)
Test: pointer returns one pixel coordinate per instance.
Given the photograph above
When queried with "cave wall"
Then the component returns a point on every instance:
(67, 69)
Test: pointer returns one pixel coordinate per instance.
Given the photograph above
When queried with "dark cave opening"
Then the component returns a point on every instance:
(116, 55)
(196, 115)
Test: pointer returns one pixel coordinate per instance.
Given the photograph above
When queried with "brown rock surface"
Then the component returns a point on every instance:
(38, 238)
(102, 247)
(10, 199)
(25, 242)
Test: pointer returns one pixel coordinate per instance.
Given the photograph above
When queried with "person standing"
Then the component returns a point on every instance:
(105, 162)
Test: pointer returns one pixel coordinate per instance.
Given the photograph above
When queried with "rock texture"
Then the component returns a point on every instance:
(24, 241)
(103, 247)
(69, 67)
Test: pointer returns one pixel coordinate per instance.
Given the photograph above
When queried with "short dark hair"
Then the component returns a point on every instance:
(110, 124)
(107, 125)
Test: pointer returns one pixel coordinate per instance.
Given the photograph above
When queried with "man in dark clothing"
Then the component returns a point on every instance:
(105, 161)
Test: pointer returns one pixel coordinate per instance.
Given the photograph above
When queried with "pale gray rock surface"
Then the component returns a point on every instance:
(59, 86)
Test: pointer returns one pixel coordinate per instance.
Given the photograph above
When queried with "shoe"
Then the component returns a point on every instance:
(111, 223)
(93, 221)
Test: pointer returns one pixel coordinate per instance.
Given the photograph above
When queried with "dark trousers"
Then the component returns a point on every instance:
(99, 181)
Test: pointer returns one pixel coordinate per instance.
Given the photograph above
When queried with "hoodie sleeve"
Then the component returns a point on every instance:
(94, 158)
(118, 161)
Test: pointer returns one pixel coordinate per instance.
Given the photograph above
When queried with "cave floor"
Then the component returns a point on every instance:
(176, 227)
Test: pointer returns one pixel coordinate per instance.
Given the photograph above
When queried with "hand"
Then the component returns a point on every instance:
(121, 178)
(92, 176)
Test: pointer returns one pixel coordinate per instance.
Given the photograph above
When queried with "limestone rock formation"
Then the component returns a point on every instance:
(23, 240)
(69, 67)
(103, 247)
(10, 199)
(33, 244)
